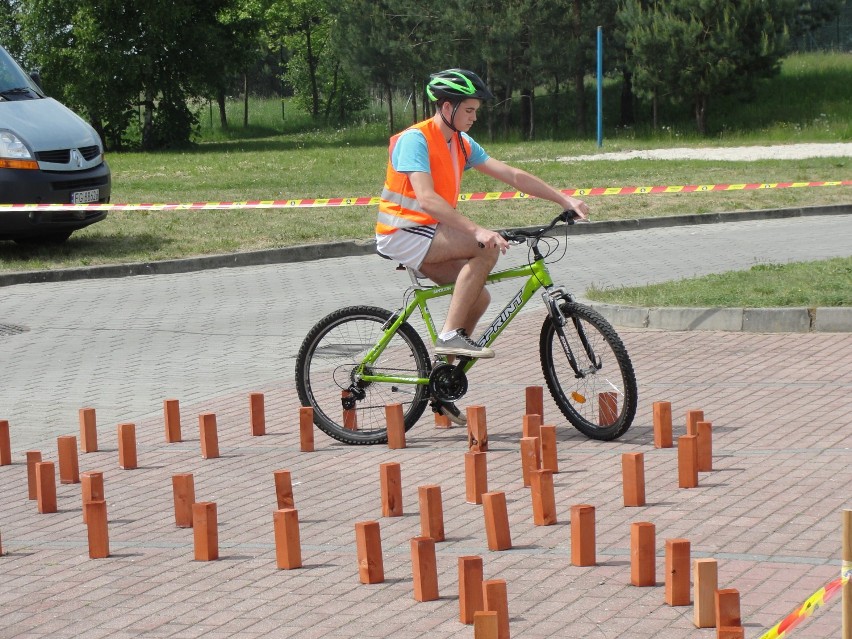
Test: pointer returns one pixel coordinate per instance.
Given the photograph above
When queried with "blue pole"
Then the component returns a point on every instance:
(600, 87)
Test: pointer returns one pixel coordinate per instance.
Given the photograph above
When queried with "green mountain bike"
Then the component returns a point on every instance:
(358, 359)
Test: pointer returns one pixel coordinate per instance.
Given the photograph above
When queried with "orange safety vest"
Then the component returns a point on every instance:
(399, 207)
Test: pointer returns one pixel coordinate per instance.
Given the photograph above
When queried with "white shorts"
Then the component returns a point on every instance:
(408, 245)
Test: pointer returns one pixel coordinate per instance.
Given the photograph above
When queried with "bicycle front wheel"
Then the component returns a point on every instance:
(600, 399)
(325, 371)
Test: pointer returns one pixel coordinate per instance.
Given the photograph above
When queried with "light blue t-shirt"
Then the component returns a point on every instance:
(411, 153)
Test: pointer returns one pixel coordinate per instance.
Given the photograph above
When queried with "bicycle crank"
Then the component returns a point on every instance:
(447, 383)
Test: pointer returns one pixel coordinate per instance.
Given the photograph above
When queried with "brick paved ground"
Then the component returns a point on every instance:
(781, 407)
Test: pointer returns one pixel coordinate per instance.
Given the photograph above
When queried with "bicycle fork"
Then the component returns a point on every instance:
(552, 296)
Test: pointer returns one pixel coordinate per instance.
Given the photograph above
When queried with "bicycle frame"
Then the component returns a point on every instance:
(537, 277)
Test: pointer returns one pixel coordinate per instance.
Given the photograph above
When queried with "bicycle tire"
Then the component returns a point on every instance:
(582, 400)
(330, 352)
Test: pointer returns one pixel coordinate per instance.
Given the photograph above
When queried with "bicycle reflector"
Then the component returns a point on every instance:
(578, 398)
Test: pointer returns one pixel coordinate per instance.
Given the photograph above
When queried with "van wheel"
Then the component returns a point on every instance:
(56, 237)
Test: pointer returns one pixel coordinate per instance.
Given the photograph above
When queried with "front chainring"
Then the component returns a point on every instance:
(447, 383)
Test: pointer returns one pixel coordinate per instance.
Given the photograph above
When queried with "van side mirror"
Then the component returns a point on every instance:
(36, 77)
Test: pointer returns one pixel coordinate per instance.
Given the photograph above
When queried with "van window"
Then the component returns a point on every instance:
(14, 83)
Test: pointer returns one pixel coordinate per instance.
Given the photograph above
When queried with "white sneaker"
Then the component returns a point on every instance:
(461, 345)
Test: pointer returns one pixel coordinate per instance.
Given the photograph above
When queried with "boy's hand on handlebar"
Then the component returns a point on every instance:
(579, 208)
(490, 239)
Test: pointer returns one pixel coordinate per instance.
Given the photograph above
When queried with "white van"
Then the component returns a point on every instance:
(48, 154)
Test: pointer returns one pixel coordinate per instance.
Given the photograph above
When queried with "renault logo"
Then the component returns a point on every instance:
(76, 158)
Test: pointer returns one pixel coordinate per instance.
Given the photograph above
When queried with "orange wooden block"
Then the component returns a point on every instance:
(283, 489)
(442, 421)
(33, 457)
(530, 460)
(730, 632)
(677, 572)
(705, 582)
(643, 554)
(306, 429)
(5, 444)
(633, 478)
(543, 498)
(704, 432)
(549, 458)
(687, 461)
(183, 491)
(69, 462)
(390, 477)
(583, 547)
(534, 401)
(88, 430)
(532, 426)
(431, 512)
(91, 487)
(662, 424)
(127, 458)
(97, 529)
(205, 531)
(477, 429)
(257, 414)
(470, 587)
(209, 435)
(369, 544)
(486, 624)
(693, 416)
(396, 426)
(496, 521)
(495, 598)
(288, 547)
(350, 415)
(727, 605)
(476, 476)
(171, 419)
(607, 408)
(424, 566)
(46, 487)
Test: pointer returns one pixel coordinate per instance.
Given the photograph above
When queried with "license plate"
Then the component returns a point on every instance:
(84, 197)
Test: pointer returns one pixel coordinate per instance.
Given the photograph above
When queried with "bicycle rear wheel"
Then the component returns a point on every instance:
(325, 367)
(601, 401)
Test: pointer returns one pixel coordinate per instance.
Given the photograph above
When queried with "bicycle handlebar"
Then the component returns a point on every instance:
(519, 236)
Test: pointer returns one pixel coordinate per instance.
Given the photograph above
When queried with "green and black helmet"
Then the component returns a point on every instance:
(456, 85)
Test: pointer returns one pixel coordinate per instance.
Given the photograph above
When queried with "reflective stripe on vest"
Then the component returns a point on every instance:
(399, 207)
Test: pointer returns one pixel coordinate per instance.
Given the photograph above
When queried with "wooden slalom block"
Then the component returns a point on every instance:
(705, 583)
(442, 421)
(607, 408)
(97, 528)
(470, 587)
(5, 444)
(369, 544)
(33, 458)
(306, 429)
(643, 554)
(486, 624)
(205, 531)
(583, 547)
(69, 462)
(662, 424)
(530, 460)
(257, 414)
(495, 598)
(730, 632)
(687, 461)
(424, 567)
(704, 432)
(209, 435)
(46, 487)
(127, 458)
(677, 572)
(390, 477)
(477, 429)
(171, 419)
(496, 521)
(476, 476)
(91, 488)
(727, 607)
(534, 396)
(431, 512)
(549, 454)
(693, 416)
(543, 498)
(350, 415)
(396, 426)
(283, 489)
(288, 546)
(532, 426)
(183, 491)
(633, 478)
(88, 430)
